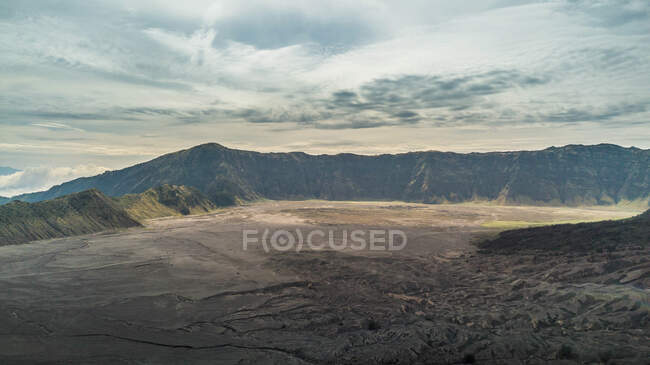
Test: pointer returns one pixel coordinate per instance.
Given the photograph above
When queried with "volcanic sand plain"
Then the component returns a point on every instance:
(184, 290)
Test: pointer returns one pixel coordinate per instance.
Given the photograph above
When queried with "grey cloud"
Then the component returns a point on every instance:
(417, 91)
(56, 127)
(354, 124)
(65, 115)
(626, 16)
(268, 27)
(406, 114)
(402, 101)
(595, 114)
(382, 102)
(400, 98)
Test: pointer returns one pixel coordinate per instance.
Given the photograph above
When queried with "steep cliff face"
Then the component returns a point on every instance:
(570, 175)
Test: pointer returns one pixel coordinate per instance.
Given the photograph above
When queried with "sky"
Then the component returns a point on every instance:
(87, 86)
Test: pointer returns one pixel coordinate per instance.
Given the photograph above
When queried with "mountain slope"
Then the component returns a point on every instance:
(165, 200)
(4, 200)
(91, 211)
(596, 236)
(570, 175)
(80, 213)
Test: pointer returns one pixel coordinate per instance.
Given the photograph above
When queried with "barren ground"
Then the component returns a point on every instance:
(183, 290)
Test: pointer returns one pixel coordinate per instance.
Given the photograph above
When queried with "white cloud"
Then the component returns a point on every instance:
(43, 178)
(56, 126)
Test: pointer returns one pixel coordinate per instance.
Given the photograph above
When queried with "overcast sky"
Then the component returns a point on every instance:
(89, 85)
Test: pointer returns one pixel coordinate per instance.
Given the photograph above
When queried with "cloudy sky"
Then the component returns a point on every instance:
(93, 85)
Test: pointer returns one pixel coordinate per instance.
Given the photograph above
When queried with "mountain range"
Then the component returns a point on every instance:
(572, 175)
(91, 211)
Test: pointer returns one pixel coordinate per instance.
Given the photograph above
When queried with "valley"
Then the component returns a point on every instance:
(182, 289)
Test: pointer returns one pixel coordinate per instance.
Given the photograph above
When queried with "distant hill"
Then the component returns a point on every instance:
(91, 211)
(80, 213)
(165, 200)
(571, 175)
(4, 200)
(4, 170)
(596, 236)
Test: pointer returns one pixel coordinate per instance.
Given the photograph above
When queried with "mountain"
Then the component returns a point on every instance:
(7, 170)
(91, 211)
(165, 200)
(80, 213)
(4, 200)
(571, 175)
(606, 235)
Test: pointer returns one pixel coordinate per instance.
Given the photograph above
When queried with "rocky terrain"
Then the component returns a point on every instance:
(91, 211)
(610, 236)
(572, 175)
(183, 290)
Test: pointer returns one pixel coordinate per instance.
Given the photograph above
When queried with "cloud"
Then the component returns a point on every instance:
(7, 170)
(269, 73)
(56, 127)
(43, 178)
(268, 25)
(593, 114)
(420, 91)
(627, 14)
(400, 101)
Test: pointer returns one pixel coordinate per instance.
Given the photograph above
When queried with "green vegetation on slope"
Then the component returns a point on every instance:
(91, 211)
(86, 212)
(572, 175)
(165, 200)
(596, 236)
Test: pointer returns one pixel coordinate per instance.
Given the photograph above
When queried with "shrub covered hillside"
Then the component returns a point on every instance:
(91, 211)
(86, 212)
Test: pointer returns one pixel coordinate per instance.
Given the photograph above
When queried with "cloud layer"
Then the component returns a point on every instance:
(43, 178)
(116, 82)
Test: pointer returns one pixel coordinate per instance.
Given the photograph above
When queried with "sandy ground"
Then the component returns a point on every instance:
(183, 290)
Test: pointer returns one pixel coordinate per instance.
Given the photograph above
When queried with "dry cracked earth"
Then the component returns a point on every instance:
(183, 290)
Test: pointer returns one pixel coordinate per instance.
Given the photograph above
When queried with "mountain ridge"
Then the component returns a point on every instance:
(85, 212)
(602, 174)
(91, 211)
(165, 201)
